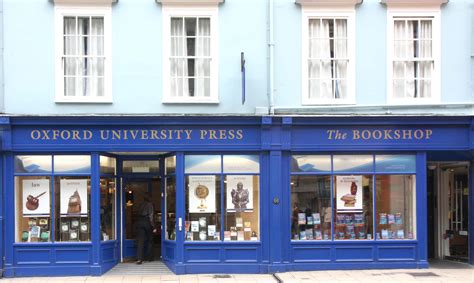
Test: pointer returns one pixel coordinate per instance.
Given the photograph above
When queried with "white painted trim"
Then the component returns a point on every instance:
(435, 15)
(84, 2)
(190, 2)
(59, 12)
(413, 3)
(328, 3)
(198, 11)
(348, 14)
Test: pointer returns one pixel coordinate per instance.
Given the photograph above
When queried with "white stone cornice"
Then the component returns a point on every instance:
(190, 2)
(413, 3)
(328, 3)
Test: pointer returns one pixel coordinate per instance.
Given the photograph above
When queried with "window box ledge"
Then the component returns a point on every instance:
(85, 2)
(411, 3)
(326, 3)
(76, 101)
(190, 2)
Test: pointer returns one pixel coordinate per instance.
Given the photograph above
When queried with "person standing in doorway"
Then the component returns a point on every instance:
(145, 230)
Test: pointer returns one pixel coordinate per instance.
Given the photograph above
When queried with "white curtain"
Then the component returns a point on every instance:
(325, 55)
(96, 61)
(399, 54)
(314, 62)
(70, 63)
(179, 84)
(203, 63)
(410, 66)
(425, 53)
(340, 53)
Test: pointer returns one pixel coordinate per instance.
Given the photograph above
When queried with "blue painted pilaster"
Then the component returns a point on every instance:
(471, 213)
(276, 212)
(95, 215)
(421, 209)
(9, 216)
(180, 183)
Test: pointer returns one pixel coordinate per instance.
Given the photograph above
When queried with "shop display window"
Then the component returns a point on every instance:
(224, 206)
(336, 193)
(395, 202)
(353, 207)
(72, 205)
(311, 207)
(107, 165)
(33, 213)
(33, 164)
(72, 164)
(107, 208)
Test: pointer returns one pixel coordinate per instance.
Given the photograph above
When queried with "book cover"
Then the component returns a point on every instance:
(238, 222)
(309, 220)
(390, 219)
(301, 219)
(194, 226)
(316, 218)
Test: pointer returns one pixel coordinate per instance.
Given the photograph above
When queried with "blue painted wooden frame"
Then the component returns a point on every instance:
(275, 138)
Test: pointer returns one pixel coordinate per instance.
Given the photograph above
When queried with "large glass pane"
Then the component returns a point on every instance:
(77, 164)
(311, 208)
(203, 206)
(395, 202)
(242, 208)
(107, 165)
(72, 208)
(353, 163)
(202, 164)
(241, 164)
(353, 207)
(135, 191)
(140, 166)
(107, 208)
(170, 165)
(311, 163)
(33, 163)
(395, 163)
(170, 208)
(33, 209)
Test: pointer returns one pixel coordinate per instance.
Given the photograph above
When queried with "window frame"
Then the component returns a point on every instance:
(205, 11)
(347, 13)
(407, 13)
(62, 11)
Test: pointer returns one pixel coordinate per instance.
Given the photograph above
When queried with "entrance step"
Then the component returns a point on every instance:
(147, 268)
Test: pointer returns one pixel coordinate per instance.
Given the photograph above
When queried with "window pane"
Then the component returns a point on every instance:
(96, 86)
(95, 67)
(107, 165)
(314, 89)
(170, 165)
(204, 27)
(177, 27)
(202, 164)
(241, 164)
(203, 47)
(242, 208)
(354, 163)
(107, 208)
(70, 88)
(398, 88)
(33, 209)
(97, 26)
(141, 166)
(170, 208)
(72, 199)
(311, 163)
(395, 163)
(33, 163)
(96, 46)
(203, 206)
(190, 25)
(395, 213)
(69, 26)
(134, 197)
(80, 164)
(83, 25)
(353, 208)
(177, 46)
(311, 211)
(70, 67)
(314, 69)
(191, 46)
(70, 45)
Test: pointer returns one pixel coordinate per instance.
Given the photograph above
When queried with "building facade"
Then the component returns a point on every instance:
(272, 135)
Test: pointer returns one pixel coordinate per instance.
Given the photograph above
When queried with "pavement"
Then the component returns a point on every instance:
(437, 273)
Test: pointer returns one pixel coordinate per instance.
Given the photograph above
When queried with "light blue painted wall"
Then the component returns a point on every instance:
(136, 57)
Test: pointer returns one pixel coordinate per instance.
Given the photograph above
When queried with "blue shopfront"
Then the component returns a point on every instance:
(235, 194)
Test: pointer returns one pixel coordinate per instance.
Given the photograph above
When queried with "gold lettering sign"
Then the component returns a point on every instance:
(136, 134)
(380, 134)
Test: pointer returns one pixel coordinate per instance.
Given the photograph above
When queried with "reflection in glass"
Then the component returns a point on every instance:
(107, 165)
(353, 207)
(170, 165)
(311, 163)
(140, 166)
(202, 164)
(33, 163)
(241, 164)
(107, 208)
(33, 209)
(395, 202)
(170, 208)
(72, 208)
(77, 164)
(354, 163)
(395, 163)
(311, 207)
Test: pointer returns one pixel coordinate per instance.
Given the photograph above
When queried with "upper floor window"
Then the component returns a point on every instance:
(83, 54)
(328, 71)
(190, 54)
(413, 50)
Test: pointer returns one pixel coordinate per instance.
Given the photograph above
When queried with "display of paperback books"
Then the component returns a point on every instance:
(309, 220)
(301, 219)
(382, 218)
(316, 218)
(390, 219)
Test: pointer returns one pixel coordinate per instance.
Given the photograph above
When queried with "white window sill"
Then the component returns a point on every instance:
(173, 101)
(328, 102)
(88, 101)
(412, 101)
